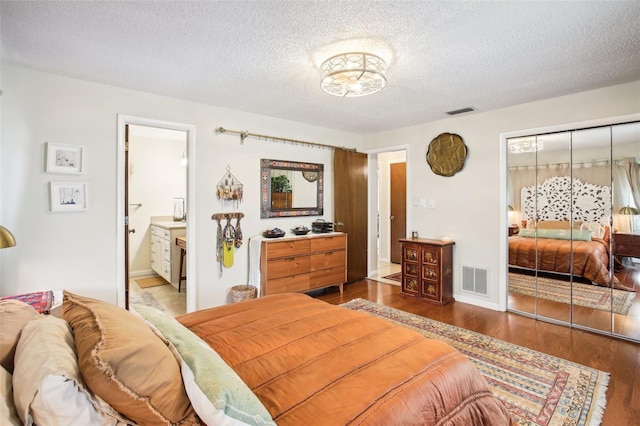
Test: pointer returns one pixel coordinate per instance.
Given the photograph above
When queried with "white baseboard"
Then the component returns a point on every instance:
(142, 273)
(477, 302)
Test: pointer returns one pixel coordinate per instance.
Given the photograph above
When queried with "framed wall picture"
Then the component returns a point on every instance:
(68, 196)
(64, 158)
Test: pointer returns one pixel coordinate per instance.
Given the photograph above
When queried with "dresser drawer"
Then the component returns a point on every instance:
(287, 248)
(292, 284)
(326, 277)
(328, 243)
(160, 232)
(287, 266)
(330, 259)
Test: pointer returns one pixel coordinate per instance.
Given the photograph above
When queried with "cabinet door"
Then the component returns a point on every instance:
(411, 272)
(430, 273)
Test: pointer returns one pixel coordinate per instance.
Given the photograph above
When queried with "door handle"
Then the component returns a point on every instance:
(339, 224)
(132, 231)
(392, 217)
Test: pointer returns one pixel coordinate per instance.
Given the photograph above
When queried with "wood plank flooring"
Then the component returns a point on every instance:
(618, 357)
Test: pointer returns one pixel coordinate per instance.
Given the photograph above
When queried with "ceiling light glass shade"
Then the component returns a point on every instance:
(6, 238)
(525, 145)
(353, 74)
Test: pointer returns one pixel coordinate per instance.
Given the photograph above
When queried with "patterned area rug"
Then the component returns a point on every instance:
(394, 277)
(537, 389)
(590, 296)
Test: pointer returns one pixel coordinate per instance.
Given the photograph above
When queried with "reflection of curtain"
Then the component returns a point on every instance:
(626, 178)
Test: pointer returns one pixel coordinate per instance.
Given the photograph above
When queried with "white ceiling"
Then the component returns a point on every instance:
(264, 56)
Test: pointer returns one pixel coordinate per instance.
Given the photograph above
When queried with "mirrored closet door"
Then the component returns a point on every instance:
(573, 199)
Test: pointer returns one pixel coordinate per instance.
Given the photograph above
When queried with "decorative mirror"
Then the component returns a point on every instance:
(289, 188)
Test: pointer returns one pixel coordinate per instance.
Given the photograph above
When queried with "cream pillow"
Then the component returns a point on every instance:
(126, 364)
(597, 229)
(48, 387)
(8, 415)
(14, 315)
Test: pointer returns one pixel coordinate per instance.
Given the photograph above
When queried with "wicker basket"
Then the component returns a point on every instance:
(243, 292)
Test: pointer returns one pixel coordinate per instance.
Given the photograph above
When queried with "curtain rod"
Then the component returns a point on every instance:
(246, 134)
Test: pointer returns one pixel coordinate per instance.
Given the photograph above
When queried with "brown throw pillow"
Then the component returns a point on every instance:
(14, 315)
(126, 364)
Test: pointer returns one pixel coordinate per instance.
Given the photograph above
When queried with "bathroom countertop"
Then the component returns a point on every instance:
(169, 224)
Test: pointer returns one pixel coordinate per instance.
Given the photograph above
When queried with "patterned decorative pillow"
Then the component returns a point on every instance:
(126, 364)
(217, 393)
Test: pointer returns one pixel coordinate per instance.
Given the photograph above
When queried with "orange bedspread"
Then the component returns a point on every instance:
(590, 258)
(313, 363)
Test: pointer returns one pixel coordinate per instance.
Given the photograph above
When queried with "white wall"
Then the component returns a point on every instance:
(77, 251)
(469, 206)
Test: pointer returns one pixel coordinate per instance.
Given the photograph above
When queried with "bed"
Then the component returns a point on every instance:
(284, 359)
(587, 257)
(564, 230)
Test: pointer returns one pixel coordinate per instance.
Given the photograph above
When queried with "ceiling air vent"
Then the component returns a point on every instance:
(460, 111)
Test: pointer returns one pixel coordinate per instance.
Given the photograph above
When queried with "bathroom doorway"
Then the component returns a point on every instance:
(157, 195)
(154, 177)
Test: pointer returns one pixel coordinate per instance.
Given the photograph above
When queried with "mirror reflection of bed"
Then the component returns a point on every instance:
(569, 194)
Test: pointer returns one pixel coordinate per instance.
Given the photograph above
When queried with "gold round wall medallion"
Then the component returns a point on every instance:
(310, 176)
(446, 154)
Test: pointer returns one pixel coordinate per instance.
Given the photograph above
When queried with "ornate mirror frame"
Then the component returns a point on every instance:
(310, 172)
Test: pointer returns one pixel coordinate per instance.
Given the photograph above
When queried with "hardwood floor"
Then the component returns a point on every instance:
(618, 357)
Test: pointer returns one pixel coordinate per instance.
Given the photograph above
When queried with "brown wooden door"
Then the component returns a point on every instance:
(350, 208)
(398, 217)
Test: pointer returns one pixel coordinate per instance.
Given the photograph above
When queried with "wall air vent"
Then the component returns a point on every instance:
(460, 111)
(475, 280)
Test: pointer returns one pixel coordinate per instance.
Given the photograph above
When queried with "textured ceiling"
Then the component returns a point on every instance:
(264, 56)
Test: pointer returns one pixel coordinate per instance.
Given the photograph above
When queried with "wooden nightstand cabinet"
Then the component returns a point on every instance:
(626, 245)
(427, 270)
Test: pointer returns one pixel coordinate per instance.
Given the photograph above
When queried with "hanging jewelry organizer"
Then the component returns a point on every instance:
(229, 188)
(228, 238)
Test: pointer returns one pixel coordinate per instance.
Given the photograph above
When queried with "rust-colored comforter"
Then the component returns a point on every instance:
(313, 363)
(590, 258)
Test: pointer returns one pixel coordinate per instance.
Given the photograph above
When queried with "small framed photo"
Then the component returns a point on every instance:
(68, 196)
(64, 158)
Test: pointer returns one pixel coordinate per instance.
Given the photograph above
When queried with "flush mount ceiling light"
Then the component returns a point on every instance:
(353, 74)
(521, 146)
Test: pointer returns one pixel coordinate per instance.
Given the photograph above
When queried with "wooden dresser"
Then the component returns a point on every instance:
(427, 270)
(304, 263)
